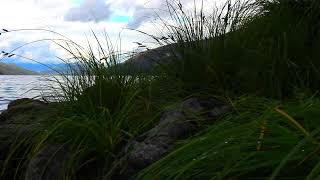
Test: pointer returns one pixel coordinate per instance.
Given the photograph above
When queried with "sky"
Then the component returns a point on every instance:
(31, 20)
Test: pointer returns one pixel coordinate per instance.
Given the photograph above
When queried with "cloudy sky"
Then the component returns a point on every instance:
(74, 19)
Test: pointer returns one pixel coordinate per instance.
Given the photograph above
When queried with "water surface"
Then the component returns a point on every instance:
(24, 86)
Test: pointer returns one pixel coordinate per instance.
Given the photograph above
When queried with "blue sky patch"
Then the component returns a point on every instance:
(78, 2)
(119, 19)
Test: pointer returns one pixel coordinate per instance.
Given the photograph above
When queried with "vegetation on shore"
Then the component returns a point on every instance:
(259, 56)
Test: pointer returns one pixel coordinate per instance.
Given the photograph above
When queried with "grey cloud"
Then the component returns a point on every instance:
(140, 16)
(144, 13)
(89, 10)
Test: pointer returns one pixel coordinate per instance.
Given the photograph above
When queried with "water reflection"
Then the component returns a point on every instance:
(21, 86)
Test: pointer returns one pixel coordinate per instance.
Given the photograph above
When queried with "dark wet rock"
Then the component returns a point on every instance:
(26, 102)
(26, 115)
(147, 154)
(175, 124)
(48, 163)
(22, 119)
(195, 105)
(23, 116)
(215, 112)
(23, 110)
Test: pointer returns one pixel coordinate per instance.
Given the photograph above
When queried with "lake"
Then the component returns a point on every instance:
(24, 86)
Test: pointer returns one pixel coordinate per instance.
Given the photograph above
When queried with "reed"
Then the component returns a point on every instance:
(261, 55)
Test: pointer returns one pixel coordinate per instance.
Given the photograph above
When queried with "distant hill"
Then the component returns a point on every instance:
(12, 69)
(147, 60)
(62, 68)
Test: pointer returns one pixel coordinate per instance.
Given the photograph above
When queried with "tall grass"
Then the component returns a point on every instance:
(258, 141)
(100, 110)
(247, 47)
(262, 48)
(103, 109)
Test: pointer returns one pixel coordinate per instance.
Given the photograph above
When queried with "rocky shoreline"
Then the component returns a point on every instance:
(25, 115)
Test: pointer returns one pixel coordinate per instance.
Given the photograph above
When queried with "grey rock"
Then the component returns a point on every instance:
(218, 111)
(175, 124)
(193, 104)
(48, 163)
(24, 110)
(146, 154)
(25, 102)
(23, 118)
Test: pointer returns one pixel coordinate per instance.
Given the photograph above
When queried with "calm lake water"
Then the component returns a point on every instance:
(23, 86)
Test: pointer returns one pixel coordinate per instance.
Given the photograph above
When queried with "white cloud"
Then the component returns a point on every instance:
(75, 21)
(144, 10)
(89, 10)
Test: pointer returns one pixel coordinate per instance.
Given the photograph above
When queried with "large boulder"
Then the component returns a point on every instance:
(21, 120)
(22, 116)
(25, 110)
(175, 124)
(48, 164)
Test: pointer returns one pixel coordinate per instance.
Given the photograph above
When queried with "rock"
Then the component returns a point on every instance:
(48, 163)
(22, 118)
(25, 115)
(147, 154)
(193, 104)
(177, 123)
(26, 102)
(215, 112)
(23, 109)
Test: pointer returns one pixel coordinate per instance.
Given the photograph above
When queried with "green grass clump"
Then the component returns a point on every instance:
(259, 140)
(102, 109)
(265, 49)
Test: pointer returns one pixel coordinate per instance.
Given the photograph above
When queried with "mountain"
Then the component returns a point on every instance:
(62, 68)
(147, 60)
(12, 69)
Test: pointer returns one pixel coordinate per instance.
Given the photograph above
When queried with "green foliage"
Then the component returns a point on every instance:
(262, 47)
(103, 108)
(257, 141)
(267, 49)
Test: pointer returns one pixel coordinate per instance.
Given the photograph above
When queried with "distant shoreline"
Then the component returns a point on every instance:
(12, 69)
